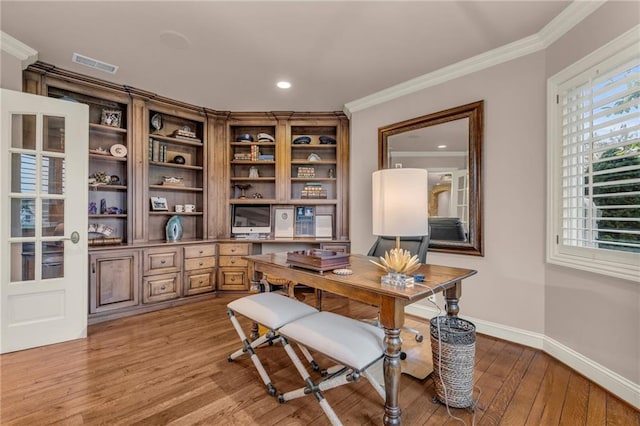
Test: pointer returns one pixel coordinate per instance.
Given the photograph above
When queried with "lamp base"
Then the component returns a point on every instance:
(397, 280)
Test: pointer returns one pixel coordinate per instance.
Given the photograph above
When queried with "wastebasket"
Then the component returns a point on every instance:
(453, 347)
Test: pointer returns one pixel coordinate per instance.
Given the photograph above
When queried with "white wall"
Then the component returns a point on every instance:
(595, 315)
(591, 314)
(509, 288)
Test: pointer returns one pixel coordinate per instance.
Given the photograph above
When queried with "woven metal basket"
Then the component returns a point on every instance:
(453, 346)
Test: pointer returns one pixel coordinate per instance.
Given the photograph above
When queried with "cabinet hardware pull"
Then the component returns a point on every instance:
(163, 261)
(163, 287)
(200, 252)
(233, 261)
(93, 268)
(200, 282)
(200, 263)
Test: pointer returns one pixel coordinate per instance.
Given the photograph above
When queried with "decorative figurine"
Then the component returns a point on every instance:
(93, 209)
(103, 206)
(173, 229)
(243, 189)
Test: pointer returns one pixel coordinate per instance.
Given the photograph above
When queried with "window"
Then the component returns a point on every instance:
(594, 161)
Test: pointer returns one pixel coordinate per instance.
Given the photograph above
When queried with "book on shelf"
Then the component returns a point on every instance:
(305, 221)
(157, 151)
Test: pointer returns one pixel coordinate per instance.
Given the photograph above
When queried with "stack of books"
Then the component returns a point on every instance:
(306, 172)
(185, 134)
(242, 156)
(313, 190)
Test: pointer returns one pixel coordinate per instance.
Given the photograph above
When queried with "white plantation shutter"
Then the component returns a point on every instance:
(594, 160)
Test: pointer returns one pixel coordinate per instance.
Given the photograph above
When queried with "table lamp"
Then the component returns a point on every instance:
(400, 209)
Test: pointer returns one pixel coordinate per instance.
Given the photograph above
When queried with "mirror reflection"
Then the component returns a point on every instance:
(448, 145)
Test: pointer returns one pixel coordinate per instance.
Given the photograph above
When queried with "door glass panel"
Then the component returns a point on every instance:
(23, 131)
(22, 262)
(52, 260)
(53, 133)
(23, 173)
(23, 217)
(52, 218)
(52, 175)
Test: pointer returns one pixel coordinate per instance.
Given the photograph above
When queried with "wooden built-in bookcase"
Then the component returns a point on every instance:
(144, 146)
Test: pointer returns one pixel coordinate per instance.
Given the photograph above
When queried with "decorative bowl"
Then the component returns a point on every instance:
(302, 140)
(245, 137)
(327, 140)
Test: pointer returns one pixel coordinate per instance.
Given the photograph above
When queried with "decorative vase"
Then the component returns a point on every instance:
(174, 228)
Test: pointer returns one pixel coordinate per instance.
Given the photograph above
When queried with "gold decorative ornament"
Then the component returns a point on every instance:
(398, 261)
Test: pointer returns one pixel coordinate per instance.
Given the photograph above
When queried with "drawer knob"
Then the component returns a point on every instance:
(200, 252)
(163, 261)
(200, 263)
(233, 261)
(233, 250)
(164, 287)
(200, 282)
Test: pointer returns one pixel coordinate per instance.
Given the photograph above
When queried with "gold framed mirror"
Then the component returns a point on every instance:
(449, 145)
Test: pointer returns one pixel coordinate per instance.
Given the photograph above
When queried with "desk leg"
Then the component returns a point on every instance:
(392, 372)
(451, 296)
(392, 318)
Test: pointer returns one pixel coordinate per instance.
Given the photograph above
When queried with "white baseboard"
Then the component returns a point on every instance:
(623, 388)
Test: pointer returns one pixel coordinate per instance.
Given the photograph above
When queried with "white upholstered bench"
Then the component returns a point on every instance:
(272, 310)
(353, 344)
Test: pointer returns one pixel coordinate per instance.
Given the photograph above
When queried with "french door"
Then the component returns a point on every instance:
(43, 235)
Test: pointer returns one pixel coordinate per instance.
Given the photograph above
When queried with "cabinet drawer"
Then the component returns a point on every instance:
(196, 282)
(160, 287)
(233, 261)
(233, 279)
(234, 249)
(199, 263)
(159, 261)
(203, 250)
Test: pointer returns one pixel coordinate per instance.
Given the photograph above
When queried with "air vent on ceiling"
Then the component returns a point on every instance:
(94, 63)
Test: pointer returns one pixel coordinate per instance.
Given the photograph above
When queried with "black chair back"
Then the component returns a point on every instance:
(416, 246)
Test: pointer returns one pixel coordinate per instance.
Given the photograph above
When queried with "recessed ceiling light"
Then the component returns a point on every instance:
(283, 84)
(442, 146)
(174, 40)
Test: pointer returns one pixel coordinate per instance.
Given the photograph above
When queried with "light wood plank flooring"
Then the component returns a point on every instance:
(171, 366)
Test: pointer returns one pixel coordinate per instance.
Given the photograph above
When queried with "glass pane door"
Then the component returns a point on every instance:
(37, 197)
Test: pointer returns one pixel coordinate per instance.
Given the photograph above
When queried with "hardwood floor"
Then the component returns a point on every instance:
(171, 366)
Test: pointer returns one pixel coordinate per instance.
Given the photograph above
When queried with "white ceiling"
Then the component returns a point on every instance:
(333, 52)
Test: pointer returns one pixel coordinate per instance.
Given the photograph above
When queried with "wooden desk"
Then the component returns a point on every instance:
(364, 286)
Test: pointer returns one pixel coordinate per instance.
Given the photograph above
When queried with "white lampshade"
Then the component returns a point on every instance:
(400, 202)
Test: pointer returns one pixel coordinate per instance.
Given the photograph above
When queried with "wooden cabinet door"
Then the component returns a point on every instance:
(114, 280)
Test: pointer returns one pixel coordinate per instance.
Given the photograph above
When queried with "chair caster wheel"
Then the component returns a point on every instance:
(403, 355)
(315, 366)
(271, 390)
(281, 399)
(419, 338)
(229, 359)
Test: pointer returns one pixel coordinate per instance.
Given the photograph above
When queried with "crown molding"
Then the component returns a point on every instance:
(18, 49)
(566, 20)
(571, 16)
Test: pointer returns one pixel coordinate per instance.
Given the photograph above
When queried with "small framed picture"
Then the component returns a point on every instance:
(159, 204)
(284, 222)
(111, 117)
(324, 226)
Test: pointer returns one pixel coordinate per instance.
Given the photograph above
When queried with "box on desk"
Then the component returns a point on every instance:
(318, 260)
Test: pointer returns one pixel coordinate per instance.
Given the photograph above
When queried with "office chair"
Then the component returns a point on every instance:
(416, 245)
